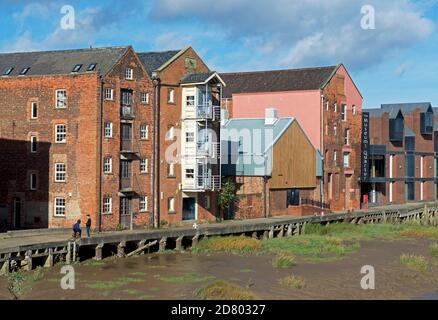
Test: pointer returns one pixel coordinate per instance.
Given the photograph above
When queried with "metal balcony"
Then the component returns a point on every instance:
(126, 184)
(208, 149)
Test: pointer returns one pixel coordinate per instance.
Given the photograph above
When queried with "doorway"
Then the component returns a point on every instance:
(17, 212)
(189, 209)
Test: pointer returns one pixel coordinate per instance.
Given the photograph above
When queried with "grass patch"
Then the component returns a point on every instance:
(283, 261)
(94, 263)
(186, 278)
(293, 282)
(21, 281)
(138, 273)
(433, 249)
(230, 244)
(413, 262)
(246, 270)
(131, 291)
(105, 285)
(221, 290)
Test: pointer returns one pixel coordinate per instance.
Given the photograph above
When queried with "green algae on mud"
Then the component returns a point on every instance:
(222, 290)
(186, 278)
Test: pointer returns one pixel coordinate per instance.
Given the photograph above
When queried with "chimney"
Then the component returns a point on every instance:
(270, 116)
(224, 116)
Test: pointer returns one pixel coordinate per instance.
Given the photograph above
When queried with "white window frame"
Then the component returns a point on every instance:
(347, 136)
(171, 170)
(109, 94)
(60, 134)
(391, 165)
(335, 107)
(144, 131)
(144, 97)
(192, 173)
(107, 166)
(108, 131)
(33, 144)
(346, 156)
(169, 134)
(107, 205)
(144, 163)
(192, 101)
(422, 167)
(60, 172)
(143, 204)
(33, 106)
(335, 130)
(191, 138)
(171, 95)
(61, 103)
(344, 112)
(335, 153)
(353, 109)
(129, 74)
(61, 206)
(391, 190)
(33, 174)
(171, 204)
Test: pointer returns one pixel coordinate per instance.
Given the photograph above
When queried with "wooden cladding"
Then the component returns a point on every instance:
(294, 160)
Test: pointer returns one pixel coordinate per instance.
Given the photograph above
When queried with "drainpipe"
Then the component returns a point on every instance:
(265, 190)
(155, 175)
(99, 192)
(321, 184)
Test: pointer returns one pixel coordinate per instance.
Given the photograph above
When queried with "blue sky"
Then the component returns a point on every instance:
(395, 62)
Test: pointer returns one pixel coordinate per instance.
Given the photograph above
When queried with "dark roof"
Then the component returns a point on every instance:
(374, 112)
(276, 80)
(405, 108)
(153, 60)
(62, 61)
(197, 77)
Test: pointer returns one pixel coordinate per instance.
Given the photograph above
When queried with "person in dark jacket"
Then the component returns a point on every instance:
(77, 231)
(88, 225)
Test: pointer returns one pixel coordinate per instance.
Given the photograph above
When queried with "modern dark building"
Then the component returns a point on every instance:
(399, 154)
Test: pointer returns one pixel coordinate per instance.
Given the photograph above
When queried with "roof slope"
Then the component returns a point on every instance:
(62, 61)
(238, 136)
(153, 60)
(276, 80)
(394, 108)
(196, 77)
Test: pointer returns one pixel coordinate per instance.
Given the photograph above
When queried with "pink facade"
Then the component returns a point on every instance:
(305, 106)
(302, 105)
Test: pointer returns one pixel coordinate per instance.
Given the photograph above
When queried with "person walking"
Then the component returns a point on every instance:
(88, 225)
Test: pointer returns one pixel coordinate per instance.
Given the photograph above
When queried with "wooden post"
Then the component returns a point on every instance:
(296, 229)
(178, 245)
(28, 258)
(68, 254)
(121, 249)
(280, 233)
(98, 252)
(141, 244)
(254, 235)
(271, 233)
(265, 235)
(303, 229)
(195, 240)
(289, 231)
(49, 260)
(162, 245)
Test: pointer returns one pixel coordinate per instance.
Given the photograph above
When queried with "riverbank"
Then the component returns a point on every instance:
(324, 263)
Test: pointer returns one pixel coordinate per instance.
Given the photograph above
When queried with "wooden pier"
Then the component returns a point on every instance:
(128, 243)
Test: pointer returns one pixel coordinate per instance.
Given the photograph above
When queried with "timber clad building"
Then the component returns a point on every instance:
(402, 155)
(326, 103)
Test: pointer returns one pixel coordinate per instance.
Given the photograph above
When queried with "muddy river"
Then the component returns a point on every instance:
(178, 275)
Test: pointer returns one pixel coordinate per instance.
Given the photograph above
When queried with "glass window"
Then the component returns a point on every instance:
(171, 95)
(144, 166)
(33, 181)
(190, 136)
(190, 101)
(61, 133)
(108, 130)
(144, 131)
(61, 98)
(107, 205)
(145, 97)
(190, 173)
(33, 144)
(346, 160)
(143, 204)
(107, 165)
(171, 204)
(59, 206)
(170, 169)
(128, 74)
(60, 172)
(346, 136)
(34, 110)
(344, 112)
(109, 94)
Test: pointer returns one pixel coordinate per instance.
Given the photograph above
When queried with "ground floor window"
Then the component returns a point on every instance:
(293, 197)
(107, 205)
(410, 191)
(59, 206)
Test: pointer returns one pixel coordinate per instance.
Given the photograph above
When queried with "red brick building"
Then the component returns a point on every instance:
(326, 103)
(187, 96)
(75, 138)
(401, 161)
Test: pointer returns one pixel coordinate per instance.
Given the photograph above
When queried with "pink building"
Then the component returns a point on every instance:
(326, 103)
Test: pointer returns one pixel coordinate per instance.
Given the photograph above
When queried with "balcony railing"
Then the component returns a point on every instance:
(208, 149)
(208, 182)
(127, 112)
(208, 112)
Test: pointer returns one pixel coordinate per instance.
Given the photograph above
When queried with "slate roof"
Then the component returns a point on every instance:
(394, 108)
(276, 80)
(62, 61)
(153, 60)
(196, 77)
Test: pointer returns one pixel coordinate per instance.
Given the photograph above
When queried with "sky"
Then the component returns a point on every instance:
(392, 57)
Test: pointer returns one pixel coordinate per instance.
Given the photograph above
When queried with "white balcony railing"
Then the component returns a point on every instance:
(207, 149)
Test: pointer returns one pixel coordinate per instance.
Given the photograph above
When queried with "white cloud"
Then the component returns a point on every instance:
(307, 32)
(172, 41)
